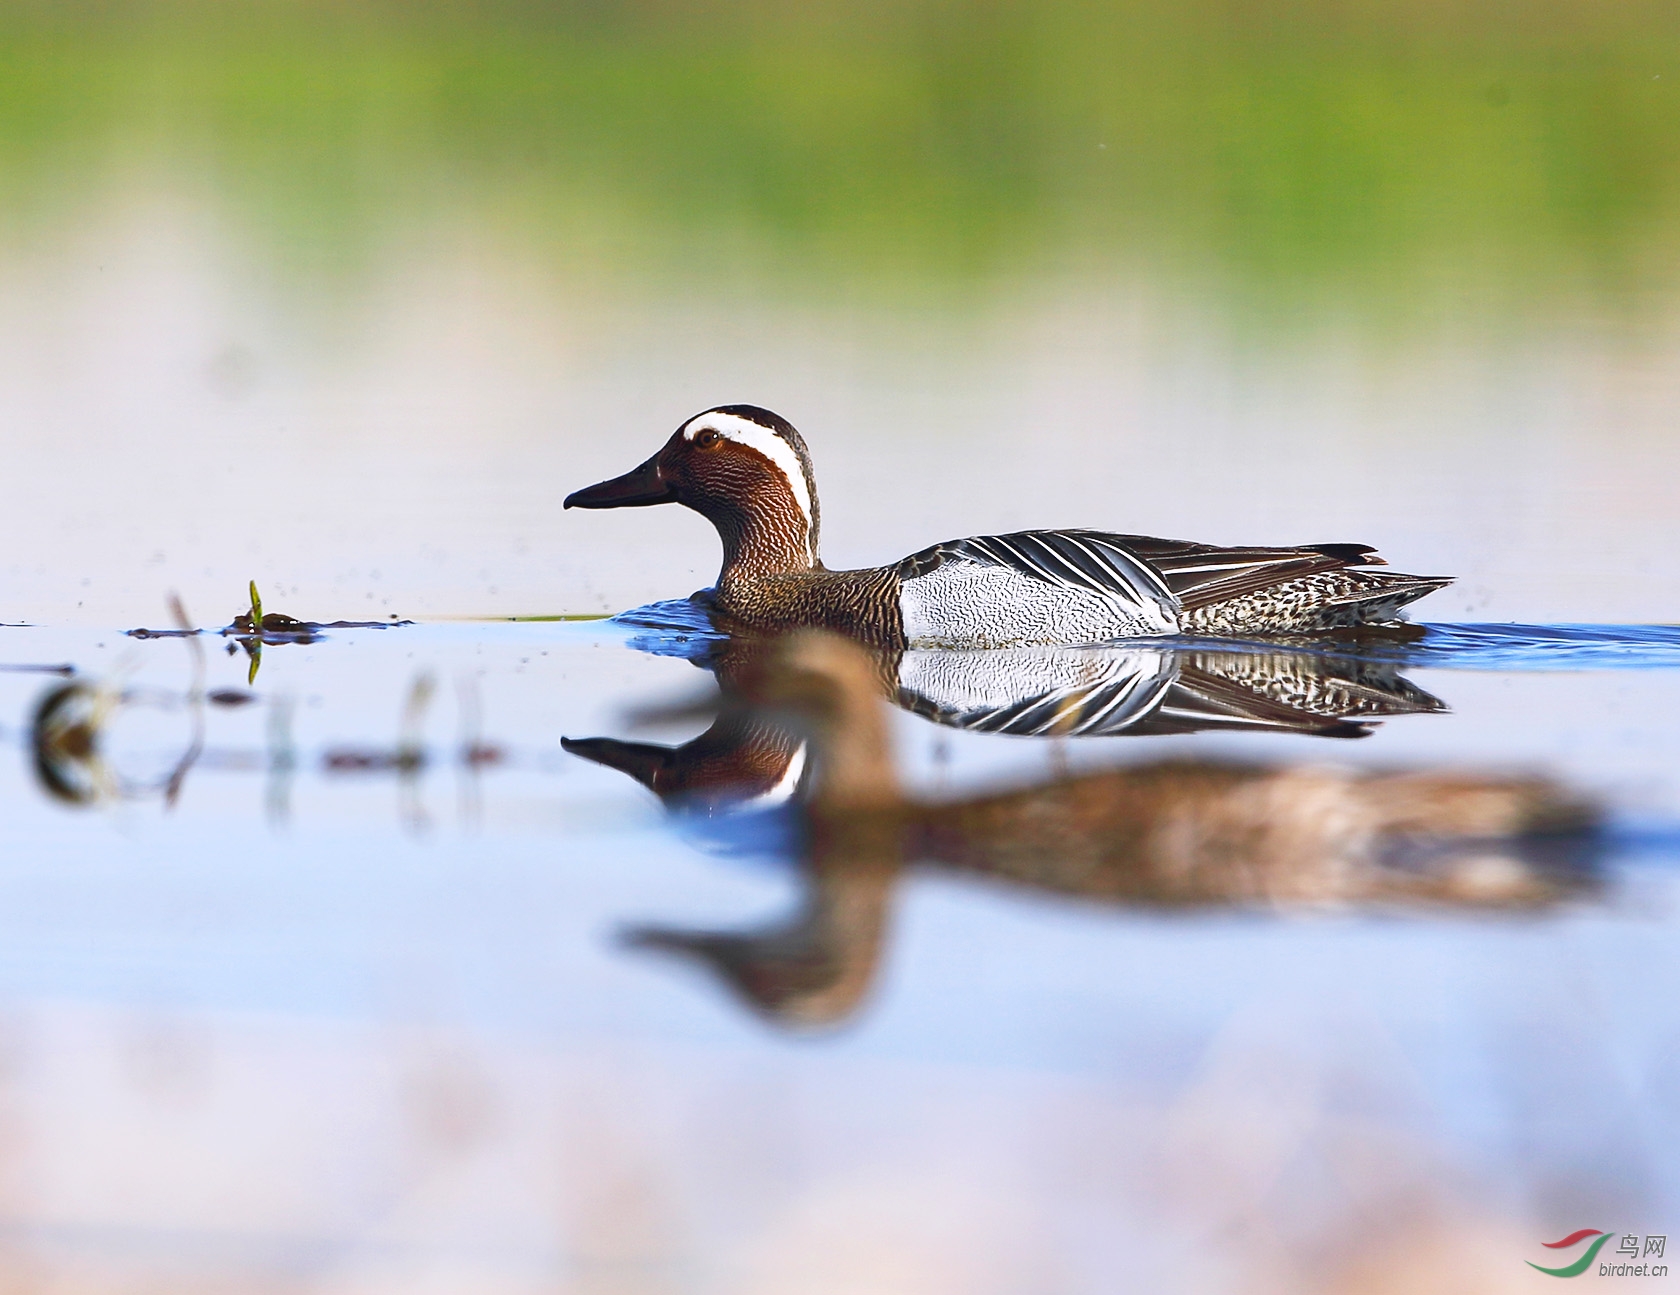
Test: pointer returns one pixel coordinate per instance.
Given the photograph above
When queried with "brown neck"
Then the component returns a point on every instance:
(764, 541)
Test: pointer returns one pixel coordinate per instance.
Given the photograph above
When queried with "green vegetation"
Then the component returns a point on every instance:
(1278, 153)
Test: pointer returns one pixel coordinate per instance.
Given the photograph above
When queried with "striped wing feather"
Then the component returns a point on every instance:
(1138, 569)
(1202, 574)
(1092, 561)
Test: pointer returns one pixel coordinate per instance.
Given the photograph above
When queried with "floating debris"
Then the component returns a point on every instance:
(253, 628)
(270, 627)
(274, 627)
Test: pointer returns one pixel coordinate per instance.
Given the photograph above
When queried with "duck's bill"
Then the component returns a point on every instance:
(643, 761)
(637, 488)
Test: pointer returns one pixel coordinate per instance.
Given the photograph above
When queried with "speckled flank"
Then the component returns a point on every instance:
(1324, 600)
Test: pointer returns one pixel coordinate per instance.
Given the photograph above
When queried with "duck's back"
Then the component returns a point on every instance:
(1084, 586)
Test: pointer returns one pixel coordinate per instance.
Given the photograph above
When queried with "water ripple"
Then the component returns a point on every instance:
(683, 627)
(680, 627)
(1537, 647)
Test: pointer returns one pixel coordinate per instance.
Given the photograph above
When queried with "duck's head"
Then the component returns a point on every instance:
(744, 468)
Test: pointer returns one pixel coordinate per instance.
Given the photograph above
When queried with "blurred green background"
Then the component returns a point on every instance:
(1386, 162)
(1278, 270)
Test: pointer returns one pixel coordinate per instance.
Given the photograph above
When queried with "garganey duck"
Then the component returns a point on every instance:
(748, 472)
(1165, 834)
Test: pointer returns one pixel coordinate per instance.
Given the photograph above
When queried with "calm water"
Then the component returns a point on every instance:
(362, 1027)
(324, 984)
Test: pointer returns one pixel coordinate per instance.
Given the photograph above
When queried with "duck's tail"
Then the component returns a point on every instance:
(1375, 597)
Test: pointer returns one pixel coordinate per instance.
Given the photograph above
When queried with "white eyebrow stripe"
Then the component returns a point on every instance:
(761, 439)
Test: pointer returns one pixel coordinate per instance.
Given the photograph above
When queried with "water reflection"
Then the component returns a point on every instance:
(747, 759)
(1168, 834)
(67, 731)
(77, 760)
(70, 739)
(253, 629)
(64, 737)
(1146, 690)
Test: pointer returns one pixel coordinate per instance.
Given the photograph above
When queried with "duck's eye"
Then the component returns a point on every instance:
(707, 437)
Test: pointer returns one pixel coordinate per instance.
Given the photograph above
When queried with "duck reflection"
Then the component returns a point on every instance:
(747, 759)
(1171, 834)
(1153, 690)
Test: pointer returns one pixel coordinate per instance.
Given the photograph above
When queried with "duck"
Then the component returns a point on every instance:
(1167, 834)
(748, 471)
